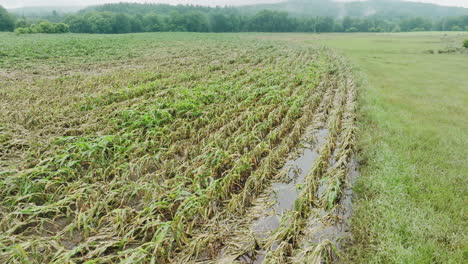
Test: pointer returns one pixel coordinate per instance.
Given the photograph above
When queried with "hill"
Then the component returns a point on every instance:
(37, 11)
(137, 8)
(382, 8)
(390, 9)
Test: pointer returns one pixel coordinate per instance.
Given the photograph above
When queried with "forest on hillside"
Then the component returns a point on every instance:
(128, 18)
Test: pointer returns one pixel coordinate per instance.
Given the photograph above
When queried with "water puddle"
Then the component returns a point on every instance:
(338, 231)
(285, 193)
(345, 210)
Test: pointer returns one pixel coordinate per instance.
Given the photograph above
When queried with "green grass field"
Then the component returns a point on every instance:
(167, 147)
(413, 142)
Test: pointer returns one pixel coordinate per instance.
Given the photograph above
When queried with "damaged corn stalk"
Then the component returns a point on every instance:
(301, 235)
(282, 225)
(173, 157)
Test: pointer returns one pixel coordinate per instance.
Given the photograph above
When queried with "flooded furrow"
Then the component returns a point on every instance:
(329, 229)
(311, 232)
(285, 193)
(249, 238)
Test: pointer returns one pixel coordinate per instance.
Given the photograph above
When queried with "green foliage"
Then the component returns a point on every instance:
(271, 21)
(224, 20)
(25, 30)
(57, 49)
(22, 23)
(416, 24)
(44, 27)
(7, 21)
(61, 28)
(151, 23)
(134, 17)
(465, 44)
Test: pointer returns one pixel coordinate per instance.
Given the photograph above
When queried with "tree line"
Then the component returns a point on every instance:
(44, 27)
(122, 18)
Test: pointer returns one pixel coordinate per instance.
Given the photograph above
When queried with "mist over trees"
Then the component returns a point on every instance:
(131, 17)
(387, 9)
(7, 22)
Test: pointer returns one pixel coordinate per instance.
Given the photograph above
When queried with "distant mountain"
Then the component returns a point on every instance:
(38, 11)
(138, 8)
(392, 9)
(382, 8)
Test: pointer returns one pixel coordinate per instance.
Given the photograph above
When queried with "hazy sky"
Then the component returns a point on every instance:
(21, 3)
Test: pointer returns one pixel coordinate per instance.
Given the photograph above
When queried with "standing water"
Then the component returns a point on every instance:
(286, 193)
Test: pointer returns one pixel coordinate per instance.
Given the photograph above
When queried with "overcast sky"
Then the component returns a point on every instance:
(21, 3)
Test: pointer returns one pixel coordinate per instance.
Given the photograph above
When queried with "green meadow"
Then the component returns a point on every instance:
(411, 195)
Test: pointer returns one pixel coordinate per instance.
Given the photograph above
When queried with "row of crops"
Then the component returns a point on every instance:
(172, 157)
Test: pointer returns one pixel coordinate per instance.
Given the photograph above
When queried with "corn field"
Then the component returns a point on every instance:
(170, 149)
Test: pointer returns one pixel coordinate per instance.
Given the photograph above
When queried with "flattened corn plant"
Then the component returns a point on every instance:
(330, 170)
(129, 162)
(232, 236)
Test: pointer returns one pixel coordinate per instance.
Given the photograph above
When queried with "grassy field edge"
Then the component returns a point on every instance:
(408, 205)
